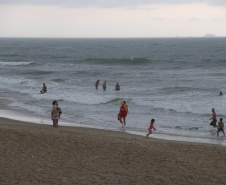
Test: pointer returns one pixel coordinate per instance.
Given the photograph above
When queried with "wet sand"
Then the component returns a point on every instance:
(39, 154)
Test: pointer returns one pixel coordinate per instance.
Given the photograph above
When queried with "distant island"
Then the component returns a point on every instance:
(209, 35)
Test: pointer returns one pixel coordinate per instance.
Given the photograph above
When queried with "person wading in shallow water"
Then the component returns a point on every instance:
(123, 113)
(56, 112)
(105, 85)
(44, 89)
(213, 118)
(97, 83)
(117, 87)
(150, 128)
(220, 127)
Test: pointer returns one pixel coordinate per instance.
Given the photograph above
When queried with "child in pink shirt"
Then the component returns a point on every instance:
(150, 128)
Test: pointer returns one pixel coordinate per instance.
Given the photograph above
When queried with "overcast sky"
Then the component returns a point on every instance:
(112, 18)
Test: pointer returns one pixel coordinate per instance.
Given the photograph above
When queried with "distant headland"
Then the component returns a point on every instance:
(209, 35)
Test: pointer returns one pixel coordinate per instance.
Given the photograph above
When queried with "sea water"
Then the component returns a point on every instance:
(176, 81)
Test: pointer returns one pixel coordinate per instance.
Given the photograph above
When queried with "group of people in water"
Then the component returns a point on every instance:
(56, 110)
(117, 86)
(220, 126)
(123, 111)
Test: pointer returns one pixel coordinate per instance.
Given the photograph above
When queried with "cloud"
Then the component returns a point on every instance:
(220, 20)
(109, 3)
(195, 19)
(158, 19)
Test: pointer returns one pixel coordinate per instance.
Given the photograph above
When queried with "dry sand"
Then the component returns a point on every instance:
(39, 154)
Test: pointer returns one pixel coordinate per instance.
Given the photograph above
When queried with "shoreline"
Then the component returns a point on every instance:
(40, 154)
(23, 116)
(13, 122)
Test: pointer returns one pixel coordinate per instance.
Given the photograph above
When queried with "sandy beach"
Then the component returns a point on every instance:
(39, 154)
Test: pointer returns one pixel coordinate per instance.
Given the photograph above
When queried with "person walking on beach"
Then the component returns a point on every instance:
(150, 128)
(105, 85)
(123, 113)
(97, 83)
(44, 89)
(213, 118)
(220, 127)
(117, 87)
(56, 112)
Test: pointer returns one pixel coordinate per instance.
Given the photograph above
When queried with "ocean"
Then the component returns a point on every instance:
(176, 81)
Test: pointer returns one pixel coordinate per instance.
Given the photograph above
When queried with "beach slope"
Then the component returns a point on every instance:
(37, 154)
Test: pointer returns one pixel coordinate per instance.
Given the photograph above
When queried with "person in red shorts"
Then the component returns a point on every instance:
(150, 128)
(123, 113)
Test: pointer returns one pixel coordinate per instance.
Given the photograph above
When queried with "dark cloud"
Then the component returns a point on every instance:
(109, 3)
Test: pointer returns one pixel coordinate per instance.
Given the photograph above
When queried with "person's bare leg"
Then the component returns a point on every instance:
(54, 123)
(124, 120)
(121, 121)
(150, 132)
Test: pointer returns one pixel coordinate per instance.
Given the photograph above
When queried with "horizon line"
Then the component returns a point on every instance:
(112, 37)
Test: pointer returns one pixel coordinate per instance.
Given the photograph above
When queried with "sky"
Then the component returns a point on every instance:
(112, 18)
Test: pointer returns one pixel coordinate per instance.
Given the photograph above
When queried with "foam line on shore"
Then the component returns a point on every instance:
(34, 119)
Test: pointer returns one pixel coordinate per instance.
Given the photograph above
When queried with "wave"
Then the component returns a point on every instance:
(187, 128)
(131, 60)
(58, 80)
(15, 63)
(38, 72)
(115, 100)
(175, 89)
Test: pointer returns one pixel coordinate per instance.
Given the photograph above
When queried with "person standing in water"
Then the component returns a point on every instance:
(97, 83)
(105, 85)
(150, 128)
(220, 127)
(56, 111)
(117, 87)
(44, 89)
(213, 118)
(123, 113)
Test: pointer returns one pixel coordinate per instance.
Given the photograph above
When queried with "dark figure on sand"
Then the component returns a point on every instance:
(105, 85)
(44, 89)
(123, 113)
(213, 118)
(220, 93)
(220, 127)
(56, 112)
(97, 83)
(150, 128)
(117, 87)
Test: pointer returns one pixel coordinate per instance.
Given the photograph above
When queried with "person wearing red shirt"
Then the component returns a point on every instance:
(123, 113)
